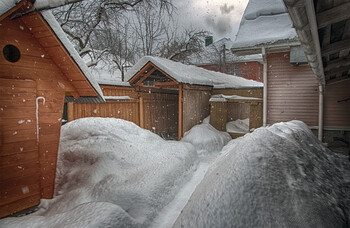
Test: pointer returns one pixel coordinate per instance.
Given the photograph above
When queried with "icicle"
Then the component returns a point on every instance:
(37, 116)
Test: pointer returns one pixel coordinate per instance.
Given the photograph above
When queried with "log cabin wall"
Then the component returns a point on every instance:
(292, 91)
(195, 105)
(28, 163)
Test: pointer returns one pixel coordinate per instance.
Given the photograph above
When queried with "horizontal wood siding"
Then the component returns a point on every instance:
(195, 105)
(337, 105)
(19, 157)
(37, 65)
(292, 91)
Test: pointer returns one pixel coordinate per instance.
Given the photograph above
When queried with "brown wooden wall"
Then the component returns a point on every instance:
(123, 109)
(336, 105)
(161, 112)
(160, 108)
(253, 92)
(195, 105)
(292, 91)
(28, 167)
(237, 111)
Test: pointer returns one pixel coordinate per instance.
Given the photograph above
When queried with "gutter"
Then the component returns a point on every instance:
(263, 52)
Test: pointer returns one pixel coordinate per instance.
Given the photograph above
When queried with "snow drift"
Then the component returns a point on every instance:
(279, 176)
(206, 139)
(111, 173)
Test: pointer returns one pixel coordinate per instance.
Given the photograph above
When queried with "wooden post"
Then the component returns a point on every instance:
(180, 122)
(218, 115)
(70, 112)
(141, 114)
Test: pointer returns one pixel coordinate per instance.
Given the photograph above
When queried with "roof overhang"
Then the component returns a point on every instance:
(275, 47)
(303, 17)
(324, 32)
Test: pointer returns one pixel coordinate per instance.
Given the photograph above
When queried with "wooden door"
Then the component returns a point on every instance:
(19, 158)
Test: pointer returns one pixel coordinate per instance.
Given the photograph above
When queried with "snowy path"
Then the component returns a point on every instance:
(170, 213)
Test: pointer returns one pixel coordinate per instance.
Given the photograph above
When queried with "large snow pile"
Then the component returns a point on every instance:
(111, 173)
(206, 138)
(279, 176)
(238, 126)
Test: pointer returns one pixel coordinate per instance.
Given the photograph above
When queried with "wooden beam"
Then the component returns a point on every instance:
(141, 71)
(70, 112)
(333, 15)
(336, 71)
(25, 4)
(180, 122)
(141, 112)
(336, 47)
(337, 63)
(337, 79)
(144, 77)
(171, 83)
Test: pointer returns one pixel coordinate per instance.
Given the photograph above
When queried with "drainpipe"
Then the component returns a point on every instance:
(320, 112)
(263, 51)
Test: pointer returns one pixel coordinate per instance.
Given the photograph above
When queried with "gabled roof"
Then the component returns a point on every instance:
(55, 42)
(265, 22)
(188, 74)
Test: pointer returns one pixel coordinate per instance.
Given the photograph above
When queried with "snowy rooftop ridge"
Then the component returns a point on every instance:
(192, 74)
(6, 5)
(212, 53)
(265, 22)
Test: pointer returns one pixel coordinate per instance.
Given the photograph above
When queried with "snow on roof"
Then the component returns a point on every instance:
(213, 52)
(6, 5)
(265, 22)
(56, 28)
(103, 76)
(192, 74)
(225, 98)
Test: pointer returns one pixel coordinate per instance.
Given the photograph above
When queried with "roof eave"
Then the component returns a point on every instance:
(307, 30)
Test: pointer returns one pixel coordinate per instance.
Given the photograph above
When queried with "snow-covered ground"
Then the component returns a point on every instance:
(279, 176)
(111, 173)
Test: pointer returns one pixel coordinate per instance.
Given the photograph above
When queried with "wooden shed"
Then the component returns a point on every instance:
(186, 90)
(38, 69)
(241, 107)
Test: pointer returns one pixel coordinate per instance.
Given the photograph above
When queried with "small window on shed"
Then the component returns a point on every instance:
(11, 53)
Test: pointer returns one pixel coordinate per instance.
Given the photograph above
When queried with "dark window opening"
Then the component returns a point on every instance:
(11, 53)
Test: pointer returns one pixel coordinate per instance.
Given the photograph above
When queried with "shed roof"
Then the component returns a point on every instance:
(264, 23)
(190, 74)
(79, 75)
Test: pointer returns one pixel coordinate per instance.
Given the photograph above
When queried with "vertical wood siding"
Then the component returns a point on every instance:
(292, 91)
(336, 105)
(195, 105)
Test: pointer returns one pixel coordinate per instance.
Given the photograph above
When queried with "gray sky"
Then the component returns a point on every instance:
(221, 17)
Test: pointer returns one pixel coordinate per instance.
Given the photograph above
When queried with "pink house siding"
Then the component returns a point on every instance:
(292, 91)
